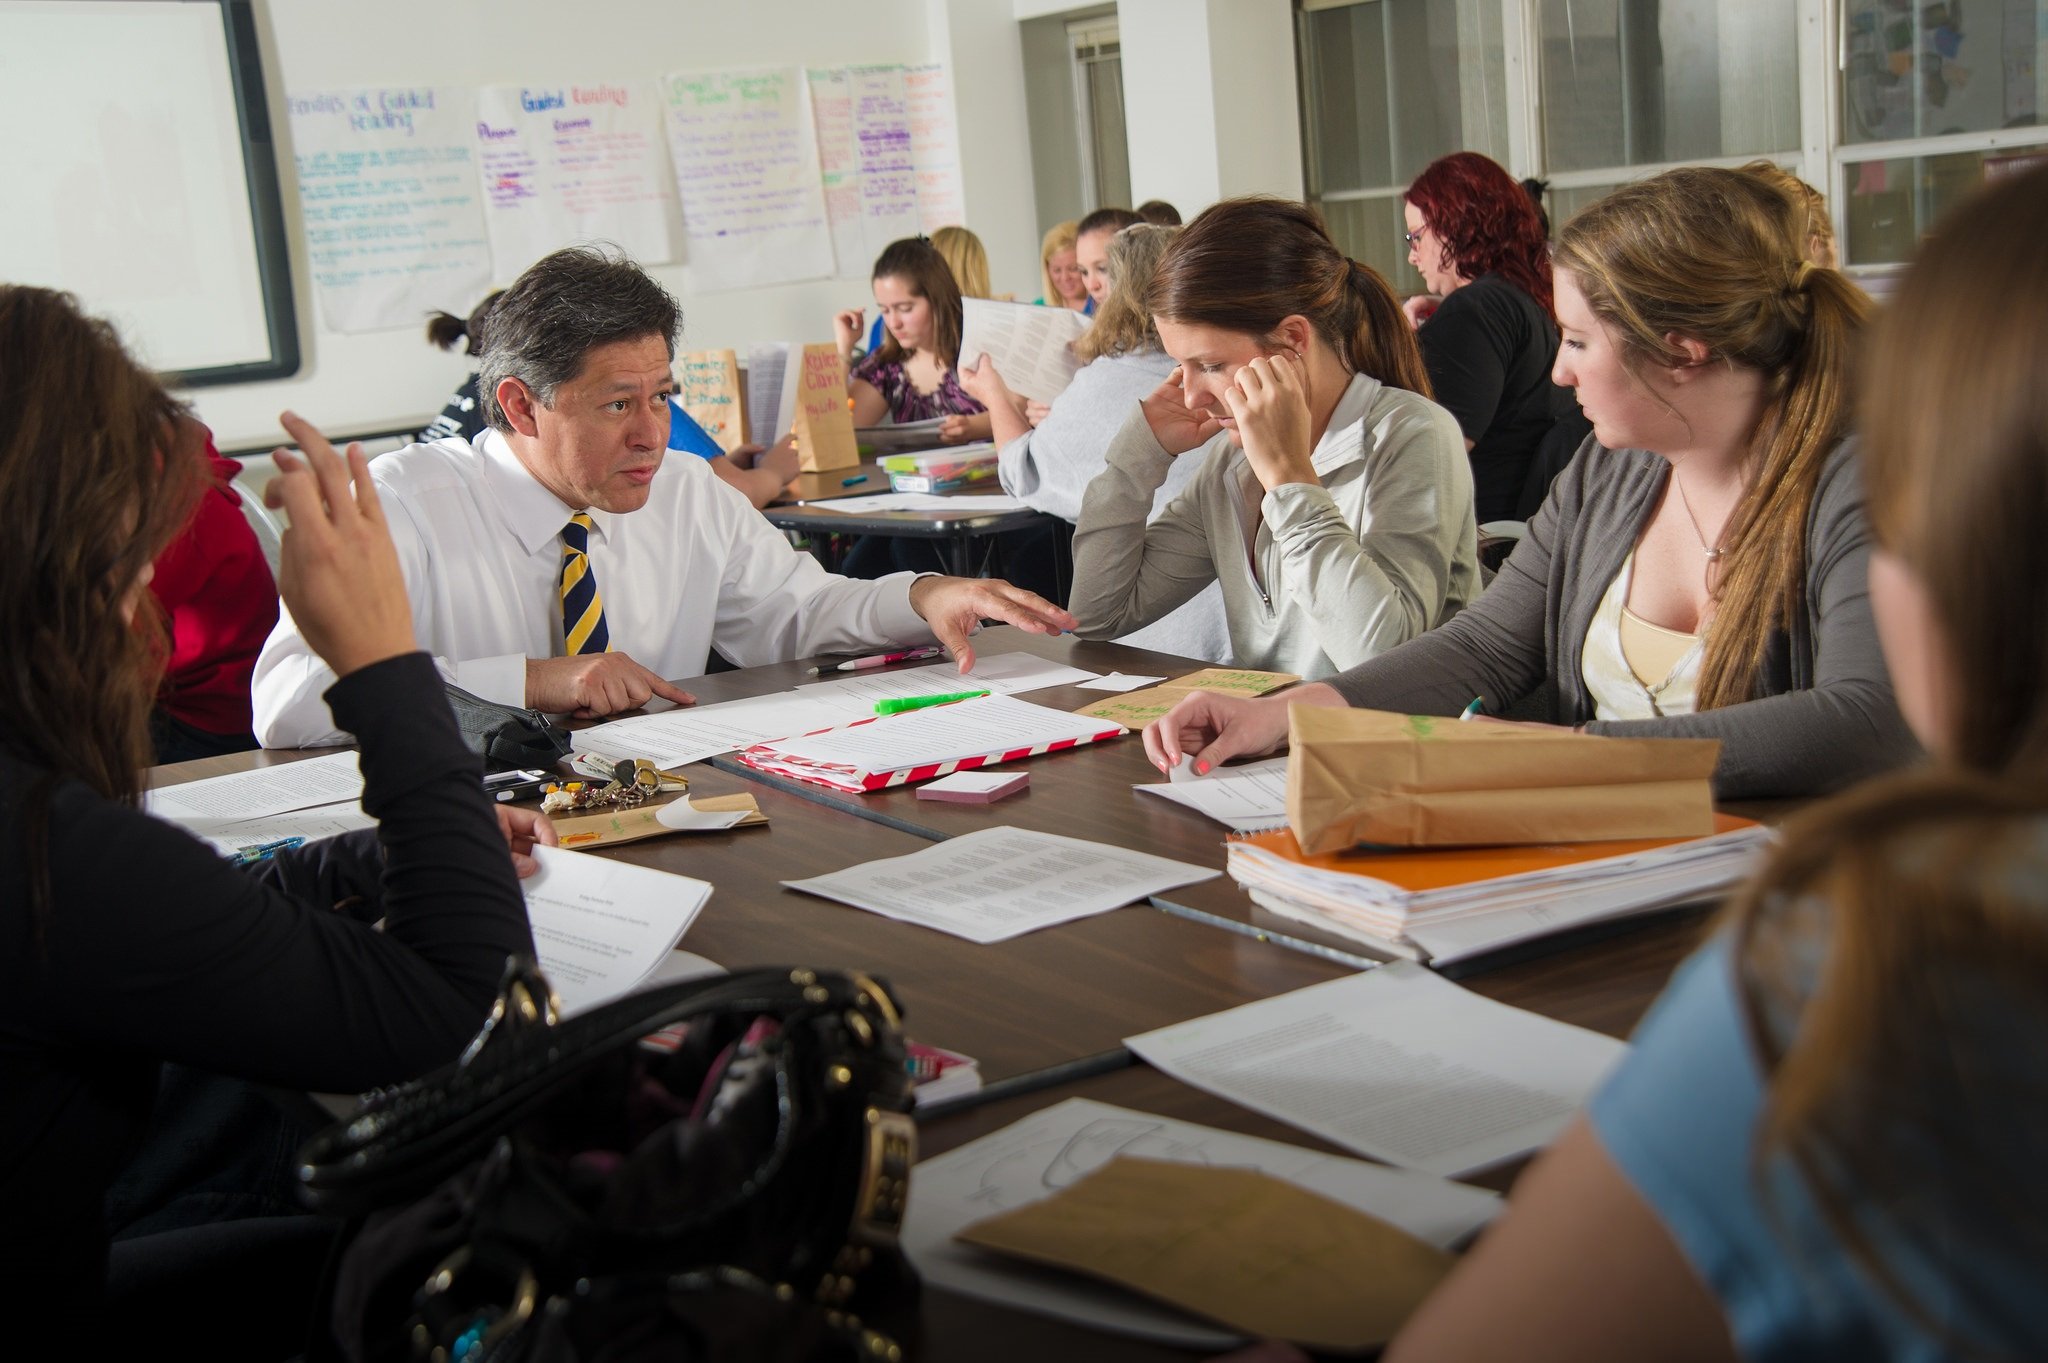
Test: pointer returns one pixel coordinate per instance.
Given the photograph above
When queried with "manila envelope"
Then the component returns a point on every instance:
(823, 425)
(1136, 709)
(708, 387)
(630, 825)
(1367, 776)
(1237, 1246)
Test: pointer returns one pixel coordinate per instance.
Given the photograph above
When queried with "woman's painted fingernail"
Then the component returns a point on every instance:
(1201, 768)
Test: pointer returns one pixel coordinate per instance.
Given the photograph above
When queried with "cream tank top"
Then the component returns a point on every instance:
(1634, 669)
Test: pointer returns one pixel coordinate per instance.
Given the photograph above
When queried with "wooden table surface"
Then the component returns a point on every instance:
(1064, 992)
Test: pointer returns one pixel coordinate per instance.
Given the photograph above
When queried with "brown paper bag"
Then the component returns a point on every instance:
(708, 387)
(1366, 776)
(1235, 1245)
(823, 425)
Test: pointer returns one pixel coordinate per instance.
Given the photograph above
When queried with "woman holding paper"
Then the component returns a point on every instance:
(1825, 1143)
(1334, 500)
(1051, 466)
(911, 377)
(130, 942)
(1699, 570)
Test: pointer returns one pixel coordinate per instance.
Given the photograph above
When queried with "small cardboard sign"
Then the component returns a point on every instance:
(708, 388)
(821, 421)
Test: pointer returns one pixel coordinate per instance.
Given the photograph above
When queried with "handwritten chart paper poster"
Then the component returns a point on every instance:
(888, 171)
(839, 166)
(746, 159)
(566, 163)
(934, 147)
(388, 189)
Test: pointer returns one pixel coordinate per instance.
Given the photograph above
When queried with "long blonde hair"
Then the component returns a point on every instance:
(966, 257)
(1061, 238)
(1123, 323)
(1705, 254)
(1923, 1036)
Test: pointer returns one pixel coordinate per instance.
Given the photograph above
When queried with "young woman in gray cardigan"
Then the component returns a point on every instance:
(1334, 500)
(1700, 569)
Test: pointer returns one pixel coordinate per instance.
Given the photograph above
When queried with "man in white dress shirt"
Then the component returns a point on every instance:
(661, 563)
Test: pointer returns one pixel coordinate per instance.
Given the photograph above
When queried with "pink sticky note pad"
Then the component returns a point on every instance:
(974, 787)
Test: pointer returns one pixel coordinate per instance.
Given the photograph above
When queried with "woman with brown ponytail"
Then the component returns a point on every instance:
(1700, 568)
(1334, 502)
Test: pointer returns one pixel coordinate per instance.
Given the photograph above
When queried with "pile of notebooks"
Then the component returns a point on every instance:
(1445, 904)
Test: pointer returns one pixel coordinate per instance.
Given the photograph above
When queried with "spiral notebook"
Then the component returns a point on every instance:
(895, 750)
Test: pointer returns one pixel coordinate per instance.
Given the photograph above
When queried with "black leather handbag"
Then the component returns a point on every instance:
(715, 1170)
(507, 736)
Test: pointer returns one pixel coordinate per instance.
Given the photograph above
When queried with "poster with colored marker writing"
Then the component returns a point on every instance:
(746, 161)
(886, 163)
(839, 168)
(572, 162)
(388, 192)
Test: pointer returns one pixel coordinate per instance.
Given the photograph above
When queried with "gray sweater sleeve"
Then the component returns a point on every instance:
(1128, 574)
(1050, 467)
(1846, 725)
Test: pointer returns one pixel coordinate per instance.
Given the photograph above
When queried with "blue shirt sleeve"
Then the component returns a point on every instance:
(686, 436)
(1680, 1119)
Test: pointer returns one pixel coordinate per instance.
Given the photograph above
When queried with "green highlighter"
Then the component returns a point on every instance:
(902, 703)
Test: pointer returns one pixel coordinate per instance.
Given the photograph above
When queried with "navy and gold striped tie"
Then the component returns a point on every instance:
(583, 628)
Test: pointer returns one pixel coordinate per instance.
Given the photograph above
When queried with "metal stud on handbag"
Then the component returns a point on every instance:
(716, 1170)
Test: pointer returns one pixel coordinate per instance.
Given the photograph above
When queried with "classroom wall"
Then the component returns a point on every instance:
(382, 379)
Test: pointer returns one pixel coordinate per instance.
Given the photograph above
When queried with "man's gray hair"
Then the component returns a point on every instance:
(565, 306)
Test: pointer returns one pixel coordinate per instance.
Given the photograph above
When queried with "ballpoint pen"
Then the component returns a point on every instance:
(883, 659)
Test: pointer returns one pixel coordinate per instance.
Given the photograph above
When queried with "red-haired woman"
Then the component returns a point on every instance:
(1477, 239)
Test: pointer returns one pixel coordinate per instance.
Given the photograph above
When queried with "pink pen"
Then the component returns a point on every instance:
(883, 659)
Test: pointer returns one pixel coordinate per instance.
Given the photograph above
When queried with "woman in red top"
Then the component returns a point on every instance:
(220, 602)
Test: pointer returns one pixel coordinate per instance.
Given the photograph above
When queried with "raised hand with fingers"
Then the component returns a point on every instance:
(955, 606)
(592, 684)
(1269, 401)
(337, 570)
(1177, 427)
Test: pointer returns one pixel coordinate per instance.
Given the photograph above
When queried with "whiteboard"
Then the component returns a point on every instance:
(139, 174)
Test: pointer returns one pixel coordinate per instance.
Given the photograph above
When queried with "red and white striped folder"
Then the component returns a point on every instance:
(895, 750)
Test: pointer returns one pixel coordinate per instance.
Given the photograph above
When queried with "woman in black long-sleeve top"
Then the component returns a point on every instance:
(123, 941)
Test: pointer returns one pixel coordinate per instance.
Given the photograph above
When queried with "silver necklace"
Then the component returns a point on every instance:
(1712, 552)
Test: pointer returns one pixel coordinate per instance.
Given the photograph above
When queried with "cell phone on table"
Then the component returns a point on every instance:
(524, 784)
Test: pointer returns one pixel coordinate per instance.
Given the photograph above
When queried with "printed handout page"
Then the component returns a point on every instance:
(942, 733)
(1396, 1063)
(1251, 798)
(839, 168)
(230, 836)
(746, 159)
(388, 189)
(260, 791)
(998, 883)
(1052, 1149)
(565, 162)
(771, 392)
(1003, 674)
(1032, 346)
(886, 163)
(600, 926)
(673, 738)
(934, 146)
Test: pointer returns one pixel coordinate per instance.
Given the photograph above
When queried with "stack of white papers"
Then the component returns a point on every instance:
(602, 927)
(892, 750)
(1002, 674)
(1396, 1063)
(1446, 904)
(1049, 1151)
(1250, 799)
(260, 791)
(999, 883)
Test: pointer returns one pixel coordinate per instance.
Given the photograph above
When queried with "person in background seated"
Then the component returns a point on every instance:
(1334, 502)
(1091, 249)
(219, 602)
(559, 561)
(911, 376)
(1700, 570)
(756, 472)
(966, 257)
(1060, 271)
(1159, 213)
(462, 417)
(1825, 1142)
(1477, 240)
(131, 943)
(1051, 466)
(1816, 230)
